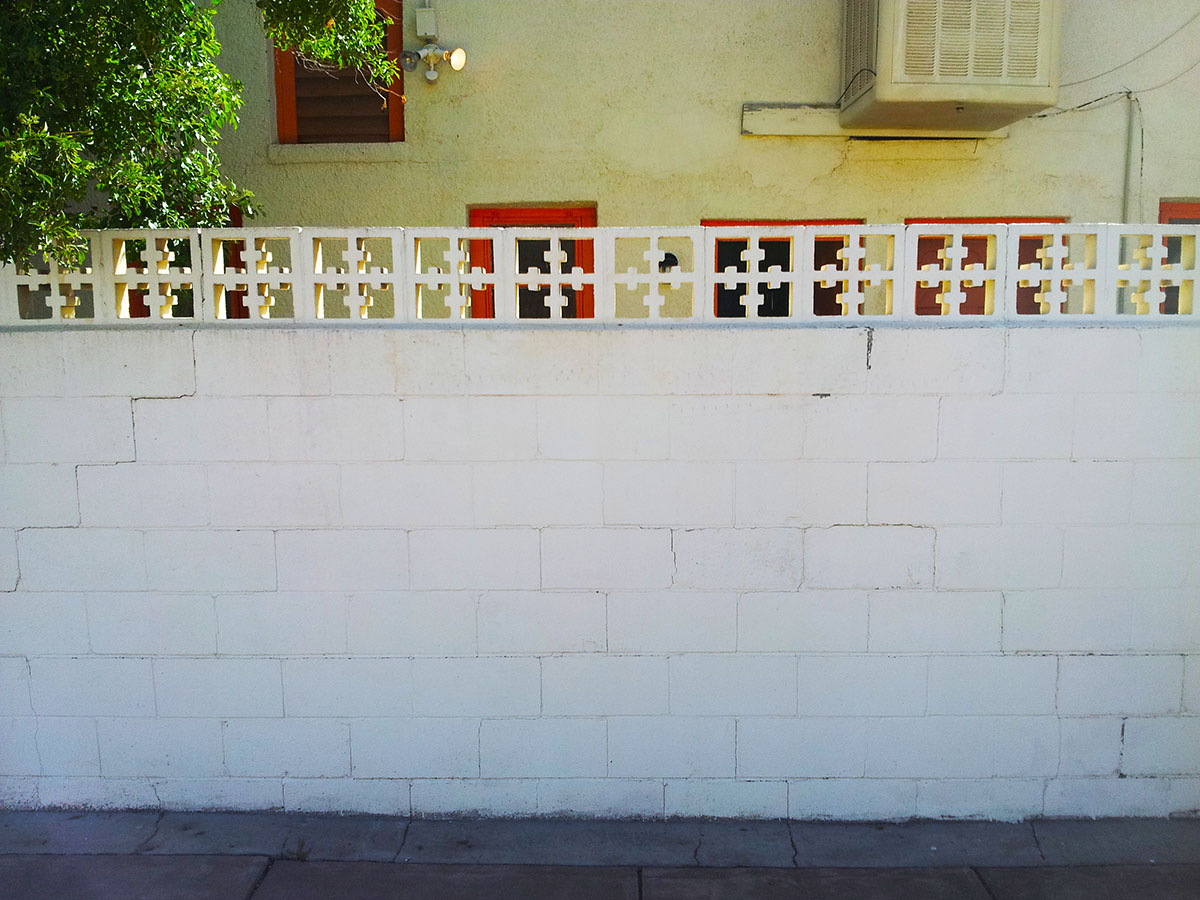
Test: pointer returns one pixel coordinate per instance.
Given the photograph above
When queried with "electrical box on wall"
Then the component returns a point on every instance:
(427, 23)
(947, 66)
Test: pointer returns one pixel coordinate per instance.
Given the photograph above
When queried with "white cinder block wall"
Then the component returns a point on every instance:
(743, 572)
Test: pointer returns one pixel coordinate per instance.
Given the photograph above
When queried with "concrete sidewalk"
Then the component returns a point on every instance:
(267, 856)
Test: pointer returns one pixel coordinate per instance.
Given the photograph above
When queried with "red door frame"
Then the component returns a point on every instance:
(1178, 211)
(483, 301)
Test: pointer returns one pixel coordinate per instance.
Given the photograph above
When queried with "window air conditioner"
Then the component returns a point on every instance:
(947, 66)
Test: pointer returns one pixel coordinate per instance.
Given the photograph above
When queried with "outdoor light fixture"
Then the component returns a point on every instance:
(431, 54)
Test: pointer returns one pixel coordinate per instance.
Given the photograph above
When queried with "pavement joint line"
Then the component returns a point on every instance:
(639, 883)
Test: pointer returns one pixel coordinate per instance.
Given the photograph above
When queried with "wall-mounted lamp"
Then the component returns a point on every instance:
(431, 54)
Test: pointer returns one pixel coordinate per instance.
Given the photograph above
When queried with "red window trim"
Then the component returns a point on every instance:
(286, 118)
(1171, 210)
(483, 300)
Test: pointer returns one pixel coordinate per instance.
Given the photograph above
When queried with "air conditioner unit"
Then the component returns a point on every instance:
(945, 67)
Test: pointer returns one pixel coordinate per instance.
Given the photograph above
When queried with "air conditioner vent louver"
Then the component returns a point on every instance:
(947, 64)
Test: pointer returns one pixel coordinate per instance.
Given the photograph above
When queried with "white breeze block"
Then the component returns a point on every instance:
(1104, 797)
(335, 429)
(1067, 492)
(33, 364)
(1006, 556)
(406, 495)
(1006, 426)
(1165, 620)
(671, 747)
(474, 797)
(81, 559)
(1006, 799)
(801, 493)
(933, 361)
(928, 621)
(1162, 746)
(143, 363)
(737, 428)
(437, 623)
(98, 430)
(8, 561)
(668, 493)
(943, 746)
(489, 686)
(373, 796)
(806, 747)
(872, 428)
(538, 493)
(602, 428)
(144, 496)
(1191, 685)
(1072, 361)
(525, 361)
(862, 685)
(283, 623)
(14, 687)
(160, 747)
(219, 794)
(672, 621)
(215, 687)
(481, 559)
(311, 748)
(1170, 360)
(1150, 426)
(739, 558)
(608, 798)
(1081, 620)
(855, 799)
(144, 623)
(18, 747)
(211, 560)
(817, 621)
(37, 495)
(933, 493)
(872, 557)
(530, 622)
(470, 428)
(95, 686)
(992, 685)
(1107, 685)
(544, 748)
(712, 684)
(667, 362)
(37, 624)
(97, 793)
(415, 748)
(357, 687)
(818, 361)
(1166, 491)
(606, 558)
(596, 685)
(342, 559)
(274, 495)
(201, 429)
(1145, 556)
(1090, 746)
(278, 362)
(700, 797)
(385, 361)
(68, 746)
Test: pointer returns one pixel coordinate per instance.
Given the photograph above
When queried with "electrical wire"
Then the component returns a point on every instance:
(1195, 63)
(850, 84)
(1135, 58)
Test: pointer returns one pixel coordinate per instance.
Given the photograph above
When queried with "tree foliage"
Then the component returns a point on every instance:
(111, 111)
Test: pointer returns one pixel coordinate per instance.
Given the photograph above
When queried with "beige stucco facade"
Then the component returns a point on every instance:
(636, 106)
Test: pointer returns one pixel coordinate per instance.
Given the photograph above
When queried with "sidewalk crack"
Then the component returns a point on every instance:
(795, 849)
(403, 841)
(148, 842)
(1037, 841)
(986, 887)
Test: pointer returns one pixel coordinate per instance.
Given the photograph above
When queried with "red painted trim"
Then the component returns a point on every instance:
(483, 301)
(767, 223)
(1170, 211)
(285, 96)
(993, 220)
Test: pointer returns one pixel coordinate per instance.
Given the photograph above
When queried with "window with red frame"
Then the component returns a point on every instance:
(928, 247)
(777, 301)
(319, 106)
(531, 254)
(1176, 212)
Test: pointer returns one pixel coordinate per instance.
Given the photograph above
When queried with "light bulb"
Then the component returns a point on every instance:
(458, 59)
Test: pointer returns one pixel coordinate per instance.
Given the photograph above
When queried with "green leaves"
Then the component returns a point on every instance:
(111, 111)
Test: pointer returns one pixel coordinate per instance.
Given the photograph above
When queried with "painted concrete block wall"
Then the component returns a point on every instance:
(769, 572)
